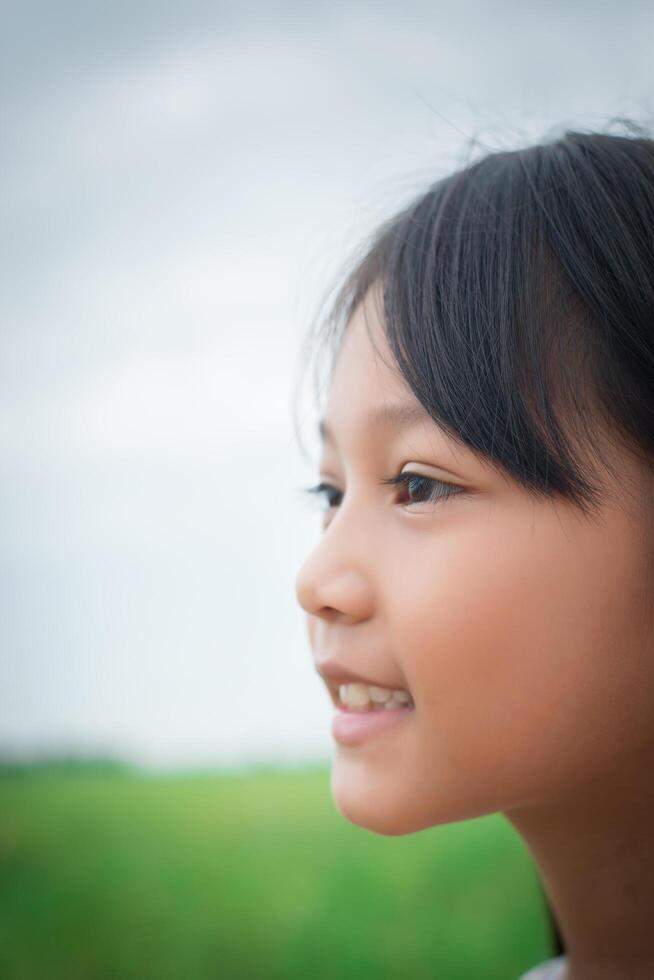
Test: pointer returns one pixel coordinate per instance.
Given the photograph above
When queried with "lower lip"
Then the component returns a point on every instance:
(354, 727)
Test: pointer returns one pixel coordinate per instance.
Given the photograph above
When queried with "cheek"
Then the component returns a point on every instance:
(521, 650)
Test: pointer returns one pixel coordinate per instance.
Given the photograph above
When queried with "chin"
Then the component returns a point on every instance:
(385, 813)
(394, 808)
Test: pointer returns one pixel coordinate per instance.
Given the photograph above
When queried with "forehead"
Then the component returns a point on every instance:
(369, 398)
(365, 372)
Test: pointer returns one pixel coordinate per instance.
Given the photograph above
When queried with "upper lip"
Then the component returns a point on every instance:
(334, 675)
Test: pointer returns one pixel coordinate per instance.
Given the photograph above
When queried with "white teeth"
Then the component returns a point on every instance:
(363, 695)
(379, 694)
(356, 695)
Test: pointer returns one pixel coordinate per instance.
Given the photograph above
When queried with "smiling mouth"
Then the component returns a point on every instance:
(363, 698)
(354, 726)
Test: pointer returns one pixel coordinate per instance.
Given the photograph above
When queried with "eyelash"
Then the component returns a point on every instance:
(403, 479)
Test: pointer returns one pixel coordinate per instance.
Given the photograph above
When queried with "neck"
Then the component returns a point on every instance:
(595, 854)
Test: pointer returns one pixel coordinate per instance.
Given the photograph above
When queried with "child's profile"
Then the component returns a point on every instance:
(480, 602)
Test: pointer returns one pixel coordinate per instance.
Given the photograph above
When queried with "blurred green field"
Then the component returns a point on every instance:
(121, 875)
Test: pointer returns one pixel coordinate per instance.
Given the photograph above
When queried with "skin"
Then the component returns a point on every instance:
(524, 632)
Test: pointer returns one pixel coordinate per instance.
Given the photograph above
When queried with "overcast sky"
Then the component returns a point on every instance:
(179, 184)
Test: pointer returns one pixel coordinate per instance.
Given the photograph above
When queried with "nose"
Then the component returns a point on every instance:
(334, 581)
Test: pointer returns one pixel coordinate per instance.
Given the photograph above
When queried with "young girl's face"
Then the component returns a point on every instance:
(521, 629)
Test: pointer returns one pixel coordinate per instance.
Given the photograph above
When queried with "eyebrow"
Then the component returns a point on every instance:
(393, 415)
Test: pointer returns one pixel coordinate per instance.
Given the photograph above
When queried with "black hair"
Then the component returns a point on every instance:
(557, 942)
(517, 297)
(518, 301)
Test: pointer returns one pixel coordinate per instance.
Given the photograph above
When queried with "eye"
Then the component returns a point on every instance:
(421, 489)
(330, 495)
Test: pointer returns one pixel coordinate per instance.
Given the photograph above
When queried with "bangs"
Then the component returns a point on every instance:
(488, 295)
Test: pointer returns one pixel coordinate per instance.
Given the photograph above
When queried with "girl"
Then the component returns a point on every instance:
(480, 604)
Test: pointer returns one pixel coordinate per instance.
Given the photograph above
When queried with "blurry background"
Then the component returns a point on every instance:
(180, 183)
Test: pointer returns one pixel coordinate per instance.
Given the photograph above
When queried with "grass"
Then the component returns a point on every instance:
(111, 874)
